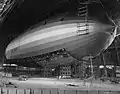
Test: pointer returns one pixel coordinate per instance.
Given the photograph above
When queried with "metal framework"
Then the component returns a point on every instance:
(5, 7)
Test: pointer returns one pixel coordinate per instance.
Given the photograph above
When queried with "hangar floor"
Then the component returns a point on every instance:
(65, 84)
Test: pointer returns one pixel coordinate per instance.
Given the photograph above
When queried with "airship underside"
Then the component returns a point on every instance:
(78, 37)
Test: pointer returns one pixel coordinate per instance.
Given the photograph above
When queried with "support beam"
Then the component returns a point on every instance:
(102, 55)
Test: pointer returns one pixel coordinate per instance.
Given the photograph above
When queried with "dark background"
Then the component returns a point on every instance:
(29, 12)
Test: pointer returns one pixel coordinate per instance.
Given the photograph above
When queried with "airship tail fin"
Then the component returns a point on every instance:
(117, 22)
(118, 31)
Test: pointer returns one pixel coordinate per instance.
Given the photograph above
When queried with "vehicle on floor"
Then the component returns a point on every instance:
(23, 78)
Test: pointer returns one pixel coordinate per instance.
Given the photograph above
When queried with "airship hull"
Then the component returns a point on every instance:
(76, 36)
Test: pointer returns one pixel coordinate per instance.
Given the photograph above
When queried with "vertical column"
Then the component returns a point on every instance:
(91, 62)
(104, 62)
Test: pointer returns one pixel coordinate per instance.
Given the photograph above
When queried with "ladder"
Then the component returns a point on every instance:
(82, 10)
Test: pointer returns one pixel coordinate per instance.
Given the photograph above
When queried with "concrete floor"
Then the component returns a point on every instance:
(37, 83)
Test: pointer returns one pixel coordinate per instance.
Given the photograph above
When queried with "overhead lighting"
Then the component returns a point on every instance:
(101, 66)
(6, 64)
(13, 65)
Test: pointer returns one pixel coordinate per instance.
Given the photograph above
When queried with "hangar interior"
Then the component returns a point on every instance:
(61, 65)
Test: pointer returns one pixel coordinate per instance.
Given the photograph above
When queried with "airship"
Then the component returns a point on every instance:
(78, 37)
